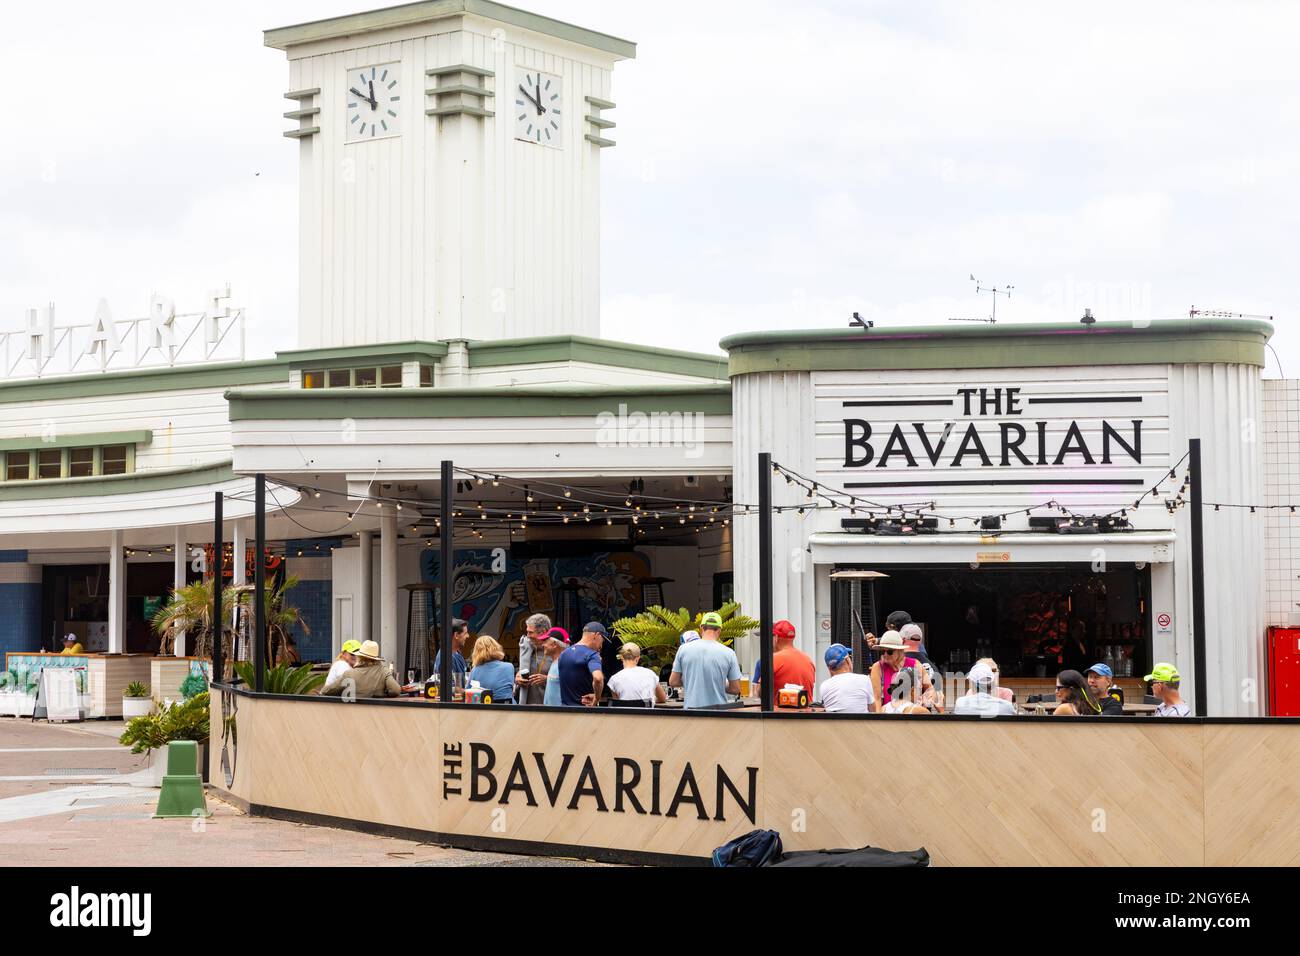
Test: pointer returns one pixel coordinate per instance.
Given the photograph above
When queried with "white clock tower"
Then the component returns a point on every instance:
(449, 172)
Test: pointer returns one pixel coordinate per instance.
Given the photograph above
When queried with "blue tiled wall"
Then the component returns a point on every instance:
(313, 599)
(13, 557)
(20, 618)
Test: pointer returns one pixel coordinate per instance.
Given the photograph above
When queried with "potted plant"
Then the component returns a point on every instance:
(187, 720)
(135, 701)
(659, 630)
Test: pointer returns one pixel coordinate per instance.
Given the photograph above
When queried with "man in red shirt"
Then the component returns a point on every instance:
(789, 664)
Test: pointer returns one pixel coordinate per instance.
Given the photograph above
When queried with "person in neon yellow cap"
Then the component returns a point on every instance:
(347, 658)
(1164, 684)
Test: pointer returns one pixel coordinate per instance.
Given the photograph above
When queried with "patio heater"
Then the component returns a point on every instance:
(421, 612)
(854, 599)
(568, 608)
(652, 591)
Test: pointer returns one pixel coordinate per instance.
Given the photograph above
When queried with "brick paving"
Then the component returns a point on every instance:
(76, 814)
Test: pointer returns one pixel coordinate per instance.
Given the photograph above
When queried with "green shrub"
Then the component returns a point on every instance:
(194, 684)
(136, 689)
(282, 678)
(184, 721)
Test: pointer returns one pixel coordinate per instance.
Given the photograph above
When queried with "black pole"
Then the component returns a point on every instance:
(1199, 660)
(259, 585)
(218, 546)
(765, 574)
(446, 537)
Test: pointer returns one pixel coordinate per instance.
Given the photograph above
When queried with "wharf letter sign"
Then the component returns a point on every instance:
(987, 428)
(565, 781)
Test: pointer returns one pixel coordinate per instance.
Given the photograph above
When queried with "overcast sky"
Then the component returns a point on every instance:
(778, 165)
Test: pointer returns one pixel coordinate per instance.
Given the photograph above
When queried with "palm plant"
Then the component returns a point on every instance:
(282, 678)
(281, 619)
(190, 611)
(659, 630)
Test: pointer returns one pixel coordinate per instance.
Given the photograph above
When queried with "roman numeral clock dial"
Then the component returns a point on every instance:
(539, 108)
(373, 99)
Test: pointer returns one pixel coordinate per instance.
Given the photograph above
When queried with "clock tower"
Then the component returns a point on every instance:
(449, 166)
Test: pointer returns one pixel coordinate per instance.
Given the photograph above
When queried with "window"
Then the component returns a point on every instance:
(340, 377)
(367, 378)
(18, 465)
(390, 376)
(313, 379)
(49, 463)
(114, 460)
(81, 462)
(426, 376)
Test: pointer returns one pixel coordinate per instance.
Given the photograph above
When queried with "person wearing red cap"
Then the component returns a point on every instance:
(789, 664)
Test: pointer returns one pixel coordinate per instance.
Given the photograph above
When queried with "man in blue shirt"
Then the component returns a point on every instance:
(581, 675)
(707, 669)
(459, 635)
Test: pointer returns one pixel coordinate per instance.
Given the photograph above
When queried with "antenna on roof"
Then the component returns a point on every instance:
(1194, 312)
(859, 322)
(985, 321)
(994, 291)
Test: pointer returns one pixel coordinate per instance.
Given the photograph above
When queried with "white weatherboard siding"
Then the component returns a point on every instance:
(1220, 404)
(583, 373)
(782, 412)
(451, 229)
(190, 426)
(413, 448)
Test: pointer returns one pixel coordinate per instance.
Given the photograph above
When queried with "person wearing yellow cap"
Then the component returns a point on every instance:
(347, 658)
(1164, 684)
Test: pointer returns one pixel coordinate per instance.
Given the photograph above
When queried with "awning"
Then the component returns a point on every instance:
(990, 550)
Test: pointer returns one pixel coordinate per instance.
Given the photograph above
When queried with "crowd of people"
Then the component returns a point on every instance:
(556, 670)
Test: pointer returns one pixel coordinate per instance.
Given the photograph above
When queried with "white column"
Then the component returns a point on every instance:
(116, 593)
(388, 584)
(179, 565)
(240, 552)
(365, 586)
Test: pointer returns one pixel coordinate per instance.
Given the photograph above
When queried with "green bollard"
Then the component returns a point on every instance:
(182, 789)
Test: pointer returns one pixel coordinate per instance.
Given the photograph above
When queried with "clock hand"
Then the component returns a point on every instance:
(357, 93)
(540, 108)
(374, 103)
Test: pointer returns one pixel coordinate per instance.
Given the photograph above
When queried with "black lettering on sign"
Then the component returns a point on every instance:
(896, 438)
(932, 453)
(1134, 450)
(857, 442)
(552, 790)
(655, 766)
(1013, 446)
(971, 438)
(518, 780)
(624, 787)
(746, 804)
(1074, 444)
(688, 783)
(481, 773)
(591, 789)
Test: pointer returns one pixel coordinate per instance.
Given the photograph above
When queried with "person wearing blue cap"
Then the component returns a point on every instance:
(1101, 681)
(845, 692)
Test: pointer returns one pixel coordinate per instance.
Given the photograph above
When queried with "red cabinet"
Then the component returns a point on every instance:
(1284, 671)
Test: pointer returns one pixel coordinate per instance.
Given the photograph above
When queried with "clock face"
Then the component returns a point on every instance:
(539, 108)
(373, 101)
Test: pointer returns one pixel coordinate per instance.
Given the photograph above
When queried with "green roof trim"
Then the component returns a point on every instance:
(503, 402)
(1166, 342)
(388, 353)
(163, 379)
(580, 348)
(38, 443)
(409, 14)
(164, 479)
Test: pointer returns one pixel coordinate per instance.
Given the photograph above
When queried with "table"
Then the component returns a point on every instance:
(1129, 709)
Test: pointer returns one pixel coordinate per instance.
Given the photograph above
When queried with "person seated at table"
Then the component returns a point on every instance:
(1005, 693)
(634, 682)
(459, 635)
(982, 699)
(893, 659)
(1072, 696)
(707, 670)
(904, 692)
(1164, 684)
(845, 692)
(1101, 682)
(789, 664)
(493, 672)
(71, 646)
(371, 676)
(347, 658)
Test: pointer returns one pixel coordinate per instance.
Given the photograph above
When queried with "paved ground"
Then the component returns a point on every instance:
(70, 795)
